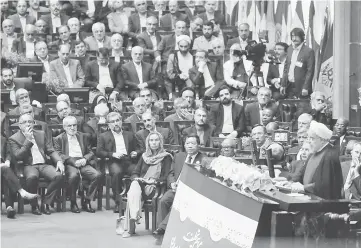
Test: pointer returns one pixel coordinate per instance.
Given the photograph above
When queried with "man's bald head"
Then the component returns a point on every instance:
(8, 27)
(228, 147)
(304, 121)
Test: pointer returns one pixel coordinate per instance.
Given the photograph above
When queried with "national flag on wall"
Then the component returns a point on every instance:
(230, 7)
(297, 16)
(281, 17)
(271, 26)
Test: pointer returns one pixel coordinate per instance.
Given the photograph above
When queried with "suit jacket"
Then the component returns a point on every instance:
(36, 14)
(142, 135)
(106, 144)
(238, 118)
(166, 47)
(273, 72)
(38, 113)
(83, 61)
(218, 17)
(100, 12)
(36, 59)
(77, 74)
(19, 46)
(235, 40)
(208, 133)
(63, 20)
(93, 44)
(133, 119)
(61, 145)
(355, 189)
(166, 20)
(6, 14)
(303, 75)
(134, 23)
(92, 73)
(145, 42)
(21, 147)
(197, 10)
(17, 24)
(252, 113)
(340, 147)
(83, 126)
(4, 42)
(131, 79)
(18, 85)
(5, 151)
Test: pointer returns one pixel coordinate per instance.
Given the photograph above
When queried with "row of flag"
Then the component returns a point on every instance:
(278, 17)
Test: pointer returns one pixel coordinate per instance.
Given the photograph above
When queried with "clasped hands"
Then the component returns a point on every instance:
(145, 180)
(183, 76)
(119, 155)
(80, 162)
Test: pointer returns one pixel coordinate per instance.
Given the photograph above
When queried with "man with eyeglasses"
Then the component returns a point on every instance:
(75, 151)
(149, 39)
(22, 98)
(138, 20)
(21, 18)
(56, 18)
(103, 72)
(28, 109)
(139, 105)
(146, 94)
(118, 146)
(304, 121)
(182, 113)
(32, 147)
(339, 133)
(7, 36)
(26, 45)
(42, 55)
(99, 39)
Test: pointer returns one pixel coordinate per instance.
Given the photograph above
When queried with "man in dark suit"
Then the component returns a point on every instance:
(74, 26)
(21, 18)
(137, 74)
(56, 18)
(102, 73)
(7, 36)
(139, 105)
(32, 147)
(80, 53)
(6, 11)
(227, 116)
(275, 71)
(192, 10)
(22, 98)
(75, 151)
(243, 32)
(42, 55)
(149, 125)
(253, 111)
(11, 180)
(138, 20)
(182, 113)
(201, 127)
(169, 20)
(299, 67)
(339, 133)
(25, 45)
(7, 83)
(156, 111)
(119, 147)
(191, 156)
(212, 14)
(149, 39)
(64, 38)
(206, 76)
(99, 38)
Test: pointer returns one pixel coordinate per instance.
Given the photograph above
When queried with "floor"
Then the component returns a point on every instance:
(60, 230)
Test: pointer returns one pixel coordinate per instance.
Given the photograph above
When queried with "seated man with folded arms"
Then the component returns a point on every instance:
(227, 116)
(103, 72)
(139, 105)
(118, 146)
(201, 127)
(67, 70)
(23, 98)
(11, 179)
(75, 151)
(191, 156)
(32, 147)
(156, 111)
(182, 113)
(149, 125)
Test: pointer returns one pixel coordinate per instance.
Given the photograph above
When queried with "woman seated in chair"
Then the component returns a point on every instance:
(153, 166)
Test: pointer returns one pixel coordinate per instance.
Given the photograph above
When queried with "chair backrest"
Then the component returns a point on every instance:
(281, 136)
(9, 107)
(50, 108)
(245, 156)
(290, 157)
(291, 109)
(103, 128)
(287, 126)
(168, 106)
(50, 116)
(127, 126)
(209, 151)
(270, 165)
(172, 148)
(55, 129)
(89, 116)
(216, 142)
(353, 131)
(10, 120)
(126, 115)
(168, 113)
(128, 106)
(164, 124)
(179, 126)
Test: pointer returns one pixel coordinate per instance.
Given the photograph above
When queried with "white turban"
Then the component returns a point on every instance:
(320, 130)
(183, 37)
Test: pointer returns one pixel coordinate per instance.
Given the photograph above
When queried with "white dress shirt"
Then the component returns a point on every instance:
(119, 143)
(243, 43)
(68, 75)
(341, 139)
(45, 63)
(139, 70)
(56, 22)
(30, 48)
(192, 9)
(291, 71)
(91, 6)
(143, 21)
(153, 39)
(227, 119)
(23, 22)
(74, 147)
(104, 77)
(36, 154)
(193, 157)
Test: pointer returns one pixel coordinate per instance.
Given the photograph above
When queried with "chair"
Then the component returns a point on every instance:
(168, 113)
(290, 109)
(353, 131)
(287, 126)
(10, 120)
(50, 116)
(172, 148)
(164, 124)
(281, 136)
(245, 156)
(216, 142)
(9, 107)
(126, 115)
(179, 126)
(168, 106)
(128, 106)
(50, 108)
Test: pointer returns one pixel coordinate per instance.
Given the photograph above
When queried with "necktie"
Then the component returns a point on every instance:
(189, 160)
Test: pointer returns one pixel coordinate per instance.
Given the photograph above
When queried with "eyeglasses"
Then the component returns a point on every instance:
(23, 97)
(26, 122)
(29, 34)
(114, 121)
(71, 125)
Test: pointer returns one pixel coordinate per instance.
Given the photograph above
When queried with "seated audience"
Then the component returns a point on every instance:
(149, 39)
(80, 52)
(203, 42)
(116, 104)
(138, 20)
(217, 47)
(32, 146)
(234, 72)
(319, 106)
(137, 74)
(228, 148)
(212, 14)
(339, 132)
(139, 105)
(154, 165)
(102, 73)
(42, 55)
(65, 97)
(64, 38)
(301, 137)
(189, 95)
(190, 156)
(227, 116)
(259, 134)
(206, 76)
(22, 98)
(201, 127)
(7, 83)
(56, 18)
(74, 26)
(243, 35)
(156, 111)
(99, 99)
(192, 10)
(271, 127)
(28, 109)
(66, 69)
(182, 113)
(99, 38)
(7, 36)
(11, 180)
(179, 64)
(322, 174)
(35, 10)
(351, 171)
(75, 151)
(169, 20)
(253, 111)
(21, 18)
(150, 126)
(304, 121)
(118, 146)
(118, 19)
(116, 43)
(25, 45)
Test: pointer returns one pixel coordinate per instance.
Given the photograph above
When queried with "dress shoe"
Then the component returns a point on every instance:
(158, 232)
(86, 206)
(116, 209)
(46, 209)
(74, 208)
(36, 211)
(10, 212)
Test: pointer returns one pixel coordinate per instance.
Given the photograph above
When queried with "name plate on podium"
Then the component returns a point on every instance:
(208, 214)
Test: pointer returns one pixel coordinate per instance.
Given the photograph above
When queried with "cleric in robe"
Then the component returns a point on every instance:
(322, 174)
